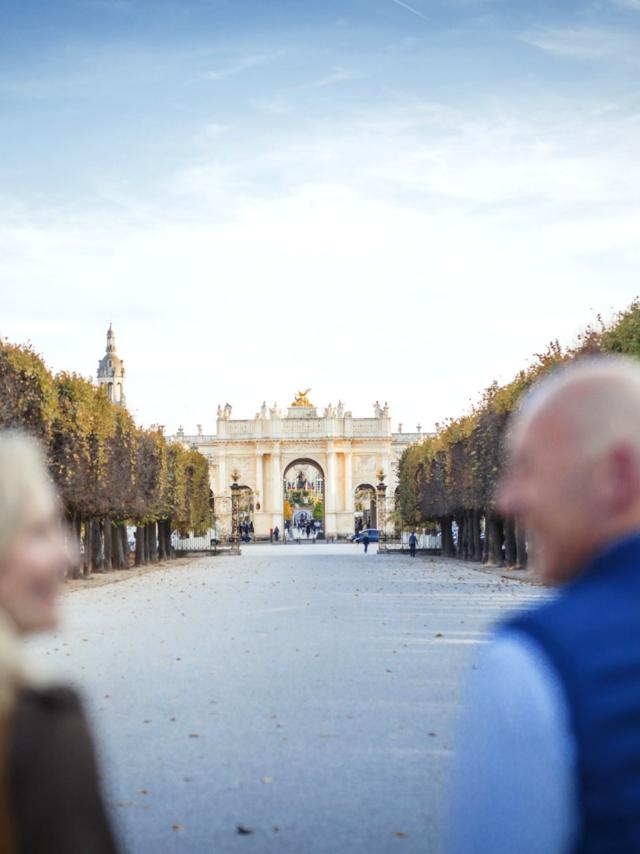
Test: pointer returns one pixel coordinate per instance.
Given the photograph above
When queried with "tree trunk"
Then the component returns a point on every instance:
(125, 546)
(118, 555)
(167, 538)
(510, 552)
(494, 537)
(169, 543)
(162, 539)
(468, 535)
(97, 553)
(86, 557)
(448, 548)
(522, 557)
(460, 520)
(140, 550)
(477, 542)
(108, 544)
(75, 533)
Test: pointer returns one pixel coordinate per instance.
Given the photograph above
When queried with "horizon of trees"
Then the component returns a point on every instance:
(109, 472)
(451, 477)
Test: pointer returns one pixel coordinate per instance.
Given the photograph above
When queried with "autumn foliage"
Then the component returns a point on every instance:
(451, 478)
(110, 473)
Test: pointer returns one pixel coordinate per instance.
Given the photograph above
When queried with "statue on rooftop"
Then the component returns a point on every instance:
(302, 399)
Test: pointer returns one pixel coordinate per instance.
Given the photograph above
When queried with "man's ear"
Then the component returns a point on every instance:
(619, 477)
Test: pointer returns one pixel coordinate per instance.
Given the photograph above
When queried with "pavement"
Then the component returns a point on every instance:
(298, 699)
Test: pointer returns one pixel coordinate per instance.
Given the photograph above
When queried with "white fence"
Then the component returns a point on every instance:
(425, 541)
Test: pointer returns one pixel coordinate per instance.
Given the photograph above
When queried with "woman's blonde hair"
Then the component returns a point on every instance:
(24, 481)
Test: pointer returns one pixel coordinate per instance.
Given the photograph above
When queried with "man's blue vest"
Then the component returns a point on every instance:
(591, 635)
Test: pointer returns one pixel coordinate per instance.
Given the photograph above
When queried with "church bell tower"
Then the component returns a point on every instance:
(111, 371)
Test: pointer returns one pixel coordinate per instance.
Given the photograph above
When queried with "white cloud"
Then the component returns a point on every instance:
(338, 75)
(359, 258)
(238, 66)
(585, 42)
(627, 4)
(275, 106)
(411, 9)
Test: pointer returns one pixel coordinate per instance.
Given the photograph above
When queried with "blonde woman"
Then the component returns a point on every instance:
(49, 796)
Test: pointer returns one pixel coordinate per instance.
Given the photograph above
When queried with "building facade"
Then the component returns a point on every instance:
(329, 463)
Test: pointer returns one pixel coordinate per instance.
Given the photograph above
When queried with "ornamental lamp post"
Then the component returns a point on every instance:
(381, 490)
(235, 512)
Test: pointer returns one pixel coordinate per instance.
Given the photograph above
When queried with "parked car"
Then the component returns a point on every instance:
(372, 533)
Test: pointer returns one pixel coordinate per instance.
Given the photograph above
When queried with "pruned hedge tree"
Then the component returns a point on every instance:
(452, 477)
(110, 473)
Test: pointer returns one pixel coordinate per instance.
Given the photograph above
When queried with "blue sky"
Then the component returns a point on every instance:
(382, 200)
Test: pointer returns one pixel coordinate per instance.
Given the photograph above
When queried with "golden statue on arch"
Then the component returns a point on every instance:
(302, 399)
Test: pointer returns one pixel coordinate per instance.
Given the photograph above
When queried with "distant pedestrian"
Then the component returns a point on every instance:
(413, 542)
(276, 533)
(365, 543)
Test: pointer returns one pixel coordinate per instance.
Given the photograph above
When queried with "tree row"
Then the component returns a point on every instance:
(448, 481)
(111, 474)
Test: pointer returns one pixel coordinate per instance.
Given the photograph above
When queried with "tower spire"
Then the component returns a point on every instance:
(111, 370)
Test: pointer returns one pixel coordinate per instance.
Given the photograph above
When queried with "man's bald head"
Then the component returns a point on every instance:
(574, 471)
(599, 397)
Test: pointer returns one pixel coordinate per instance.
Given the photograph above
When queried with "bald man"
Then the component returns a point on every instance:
(548, 760)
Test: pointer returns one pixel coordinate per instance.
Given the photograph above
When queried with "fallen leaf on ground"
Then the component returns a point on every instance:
(243, 831)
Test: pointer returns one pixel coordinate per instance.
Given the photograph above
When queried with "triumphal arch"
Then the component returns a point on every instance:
(303, 467)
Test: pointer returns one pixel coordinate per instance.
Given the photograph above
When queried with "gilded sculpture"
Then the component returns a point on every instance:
(302, 399)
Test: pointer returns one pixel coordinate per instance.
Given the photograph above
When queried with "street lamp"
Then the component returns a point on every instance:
(235, 512)
(381, 490)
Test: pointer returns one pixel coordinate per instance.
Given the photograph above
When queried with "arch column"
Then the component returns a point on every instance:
(348, 483)
(330, 494)
(276, 487)
(260, 480)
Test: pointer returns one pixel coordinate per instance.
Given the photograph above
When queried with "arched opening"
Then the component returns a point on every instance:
(303, 500)
(245, 513)
(365, 507)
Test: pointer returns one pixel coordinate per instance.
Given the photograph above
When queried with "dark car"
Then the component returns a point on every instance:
(372, 533)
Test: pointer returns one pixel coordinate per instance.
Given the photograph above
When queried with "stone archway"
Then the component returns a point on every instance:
(245, 512)
(365, 507)
(303, 497)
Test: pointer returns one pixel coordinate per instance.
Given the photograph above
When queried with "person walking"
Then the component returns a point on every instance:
(549, 748)
(276, 533)
(50, 798)
(365, 542)
(413, 542)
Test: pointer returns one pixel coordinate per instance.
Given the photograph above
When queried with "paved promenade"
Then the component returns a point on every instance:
(296, 699)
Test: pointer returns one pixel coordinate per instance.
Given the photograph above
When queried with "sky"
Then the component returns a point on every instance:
(380, 200)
